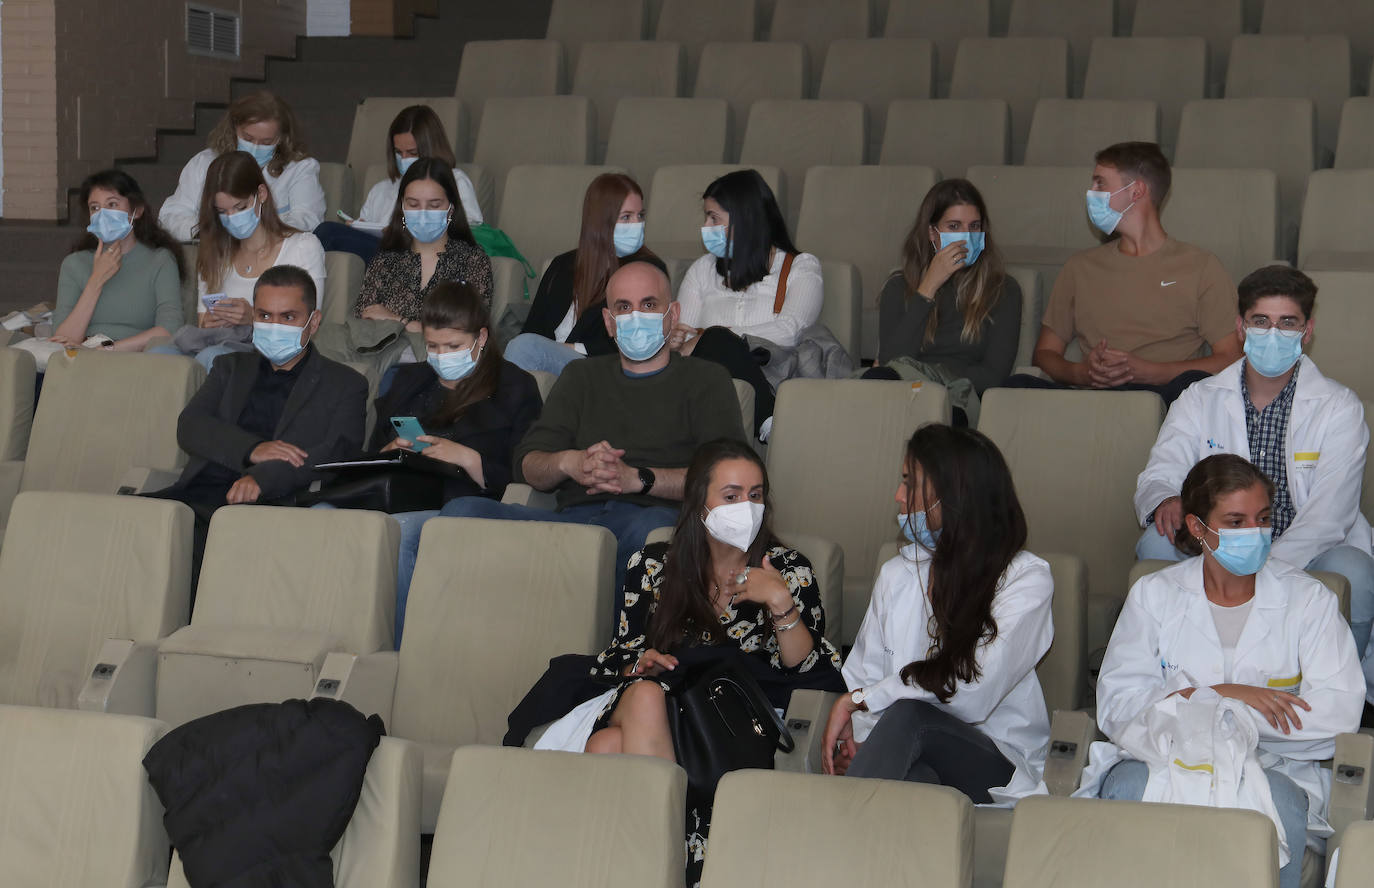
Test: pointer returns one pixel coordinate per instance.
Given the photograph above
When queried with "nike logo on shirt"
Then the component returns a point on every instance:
(1167, 283)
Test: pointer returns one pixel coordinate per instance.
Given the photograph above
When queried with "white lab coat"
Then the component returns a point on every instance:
(1006, 703)
(381, 200)
(1324, 451)
(1295, 640)
(296, 192)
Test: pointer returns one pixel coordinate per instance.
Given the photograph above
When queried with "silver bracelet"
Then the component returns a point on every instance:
(784, 613)
(777, 629)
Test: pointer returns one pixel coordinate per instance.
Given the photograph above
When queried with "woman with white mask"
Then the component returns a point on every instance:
(1234, 623)
(942, 674)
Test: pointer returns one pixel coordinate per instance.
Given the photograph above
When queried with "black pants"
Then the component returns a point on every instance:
(720, 345)
(1169, 391)
(921, 743)
(347, 239)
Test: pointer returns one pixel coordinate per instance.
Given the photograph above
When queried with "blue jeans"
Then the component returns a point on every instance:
(629, 522)
(205, 357)
(1126, 782)
(530, 351)
(1349, 562)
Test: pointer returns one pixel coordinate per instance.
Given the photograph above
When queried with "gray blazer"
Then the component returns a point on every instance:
(324, 416)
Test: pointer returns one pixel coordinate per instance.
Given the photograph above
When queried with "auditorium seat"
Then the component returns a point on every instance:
(1073, 130)
(493, 69)
(1071, 843)
(1272, 134)
(861, 444)
(17, 373)
(381, 844)
(743, 73)
(102, 414)
(609, 72)
(1316, 68)
(1344, 316)
(942, 22)
(1338, 222)
(842, 307)
(1077, 20)
(1037, 213)
(342, 283)
(1357, 855)
(798, 135)
(575, 23)
(85, 579)
(1231, 213)
(815, 23)
(1167, 70)
(77, 809)
(865, 838)
(948, 135)
(340, 191)
(279, 589)
(1217, 21)
(672, 228)
(543, 213)
(876, 72)
(878, 205)
(1355, 142)
(1075, 456)
(650, 133)
(516, 817)
(372, 119)
(1354, 19)
(515, 132)
(695, 23)
(1021, 70)
(469, 653)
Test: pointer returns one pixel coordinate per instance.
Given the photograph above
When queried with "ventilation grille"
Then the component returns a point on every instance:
(212, 32)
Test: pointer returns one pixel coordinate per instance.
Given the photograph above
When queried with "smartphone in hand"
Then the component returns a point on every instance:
(409, 428)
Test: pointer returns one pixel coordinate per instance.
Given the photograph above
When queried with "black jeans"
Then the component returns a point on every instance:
(920, 743)
(720, 345)
(1169, 391)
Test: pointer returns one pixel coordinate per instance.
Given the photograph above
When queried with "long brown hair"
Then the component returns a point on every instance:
(685, 611)
(596, 259)
(430, 141)
(255, 108)
(979, 285)
(147, 231)
(456, 305)
(395, 237)
(982, 527)
(237, 175)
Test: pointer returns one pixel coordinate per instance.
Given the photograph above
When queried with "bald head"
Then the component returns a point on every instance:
(633, 283)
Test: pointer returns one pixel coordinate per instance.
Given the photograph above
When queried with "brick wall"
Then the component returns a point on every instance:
(114, 72)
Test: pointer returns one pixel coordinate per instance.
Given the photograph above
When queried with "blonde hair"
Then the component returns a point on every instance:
(256, 108)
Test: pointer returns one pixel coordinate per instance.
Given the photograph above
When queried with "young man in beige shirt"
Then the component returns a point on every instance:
(1142, 306)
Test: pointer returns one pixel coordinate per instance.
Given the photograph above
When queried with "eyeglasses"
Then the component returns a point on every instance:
(1263, 323)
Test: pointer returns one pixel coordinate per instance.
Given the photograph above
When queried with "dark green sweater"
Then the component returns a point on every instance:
(659, 420)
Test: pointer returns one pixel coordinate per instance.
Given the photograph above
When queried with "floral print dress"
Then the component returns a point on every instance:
(745, 623)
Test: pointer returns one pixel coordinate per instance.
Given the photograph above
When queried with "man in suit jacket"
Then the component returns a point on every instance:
(264, 417)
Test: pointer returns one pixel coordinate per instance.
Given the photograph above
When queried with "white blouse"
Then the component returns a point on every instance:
(708, 302)
(381, 200)
(302, 249)
(296, 192)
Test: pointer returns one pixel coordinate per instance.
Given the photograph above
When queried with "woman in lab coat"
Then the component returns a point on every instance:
(942, 675)
(1251, 629)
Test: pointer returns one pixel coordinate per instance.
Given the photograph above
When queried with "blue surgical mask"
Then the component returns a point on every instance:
(426, 226)
(629, 237)
(1100, 210)
(261, 153)
(639, 335)
(974, 239)
(1273, 352)
(242, 224)
(714, 238)
(1241, 550)
(453, 366)
(916, 530)
(278, 343)
(109, 225)
(403, 163)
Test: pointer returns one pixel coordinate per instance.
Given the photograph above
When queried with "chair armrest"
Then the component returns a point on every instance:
(807, 713)
(1030, 370)
(367, 682)
(1352, 792)
(142, 479)
(525, 495)
(1071, 733)
(123, 681)
(11, 474)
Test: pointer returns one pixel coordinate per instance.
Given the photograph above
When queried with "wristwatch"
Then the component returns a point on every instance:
(857, 698)
(646, 477)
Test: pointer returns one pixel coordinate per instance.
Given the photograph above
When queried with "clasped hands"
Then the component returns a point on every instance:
(602, 469)
(246, 489)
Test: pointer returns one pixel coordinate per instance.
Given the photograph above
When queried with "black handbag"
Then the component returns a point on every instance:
(721, 721)
(399, 481)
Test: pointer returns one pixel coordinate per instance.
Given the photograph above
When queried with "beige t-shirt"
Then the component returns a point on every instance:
(1162, 307)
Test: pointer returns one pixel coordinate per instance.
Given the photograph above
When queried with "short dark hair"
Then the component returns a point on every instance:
(1143, 160)
(289, 276)
(1209, 481)
(1277, 280)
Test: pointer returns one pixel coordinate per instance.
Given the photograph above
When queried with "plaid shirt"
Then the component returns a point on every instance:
(1266, 430)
